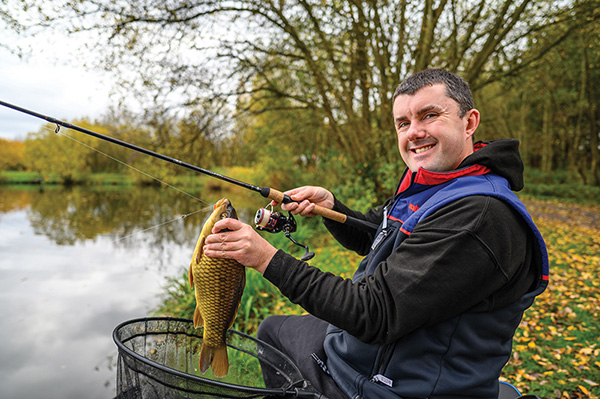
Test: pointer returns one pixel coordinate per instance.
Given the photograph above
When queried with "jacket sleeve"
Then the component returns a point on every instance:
(456, 259)
(353, 238)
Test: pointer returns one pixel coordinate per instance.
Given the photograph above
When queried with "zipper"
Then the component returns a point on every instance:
(381, 237)
(378, 377)
(382, 379)
(383, 233)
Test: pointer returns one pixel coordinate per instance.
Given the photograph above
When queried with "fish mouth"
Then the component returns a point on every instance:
(223, 202)
(232, 214)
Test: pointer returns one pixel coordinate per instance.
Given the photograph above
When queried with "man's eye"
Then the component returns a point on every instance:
(402, 125)
(429, 116)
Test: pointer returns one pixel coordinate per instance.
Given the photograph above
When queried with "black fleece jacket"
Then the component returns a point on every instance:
(475, 254)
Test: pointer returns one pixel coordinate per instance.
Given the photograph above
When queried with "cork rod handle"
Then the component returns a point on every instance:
(278, 196)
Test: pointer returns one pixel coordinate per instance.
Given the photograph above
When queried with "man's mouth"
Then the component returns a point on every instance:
(423, 149)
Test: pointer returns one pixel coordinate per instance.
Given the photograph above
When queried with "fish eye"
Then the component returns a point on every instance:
(223, 215)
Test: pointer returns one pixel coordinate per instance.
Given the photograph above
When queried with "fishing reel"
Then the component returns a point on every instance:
(274, 222)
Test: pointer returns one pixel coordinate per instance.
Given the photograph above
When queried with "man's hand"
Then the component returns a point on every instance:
(242, 243)
(307, 197)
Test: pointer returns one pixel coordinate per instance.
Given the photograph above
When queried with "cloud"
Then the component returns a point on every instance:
(49, 85)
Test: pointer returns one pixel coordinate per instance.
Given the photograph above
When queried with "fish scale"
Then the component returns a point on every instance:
(218, 291)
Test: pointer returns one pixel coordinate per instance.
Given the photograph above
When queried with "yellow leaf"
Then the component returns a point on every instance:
(584, 390)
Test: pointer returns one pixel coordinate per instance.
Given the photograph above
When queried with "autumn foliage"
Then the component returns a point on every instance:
(556, 352)
(12, 156)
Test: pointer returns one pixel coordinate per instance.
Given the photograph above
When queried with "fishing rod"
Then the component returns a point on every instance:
(266, 192)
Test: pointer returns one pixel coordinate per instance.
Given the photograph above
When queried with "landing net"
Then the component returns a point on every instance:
(158, 358)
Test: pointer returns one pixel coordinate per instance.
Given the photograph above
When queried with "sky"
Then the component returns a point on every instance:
(49, 82)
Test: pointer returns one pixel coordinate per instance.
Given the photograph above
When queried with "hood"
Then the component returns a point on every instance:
(501, 157)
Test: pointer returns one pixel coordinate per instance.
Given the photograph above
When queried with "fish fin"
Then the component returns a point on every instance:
(199, 250)
(220, 363)
(216, 358)
(191, 275)
(206, 355)
(243, 281)
(198, 320)
(196, 257)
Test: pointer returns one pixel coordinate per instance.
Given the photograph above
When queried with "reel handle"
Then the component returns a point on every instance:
(280, 197)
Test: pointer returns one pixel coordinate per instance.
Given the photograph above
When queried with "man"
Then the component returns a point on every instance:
(432, 308)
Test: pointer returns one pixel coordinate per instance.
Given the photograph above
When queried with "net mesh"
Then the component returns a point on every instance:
(159, 357)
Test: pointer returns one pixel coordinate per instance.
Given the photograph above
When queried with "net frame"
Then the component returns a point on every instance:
(142, 375)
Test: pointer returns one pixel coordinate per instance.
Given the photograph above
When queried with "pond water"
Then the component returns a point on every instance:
(68, 278)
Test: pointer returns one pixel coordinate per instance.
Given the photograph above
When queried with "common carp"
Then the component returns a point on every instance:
(219, 284)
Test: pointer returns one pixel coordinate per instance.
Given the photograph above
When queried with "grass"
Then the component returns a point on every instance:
(196, 181)
(20, 177)
(567, 192)
(560, 185)
(108, 178)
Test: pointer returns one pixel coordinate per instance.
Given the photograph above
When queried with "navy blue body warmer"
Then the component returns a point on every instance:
(458, 357)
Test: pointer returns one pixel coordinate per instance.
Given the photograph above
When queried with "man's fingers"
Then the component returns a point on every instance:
(230, 224)
(308, 208)
(302, 208)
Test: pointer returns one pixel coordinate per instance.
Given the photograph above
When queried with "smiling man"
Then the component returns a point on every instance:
(434, 133)
(432, 308)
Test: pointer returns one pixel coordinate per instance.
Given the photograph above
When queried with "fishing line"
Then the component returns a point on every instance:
(163, 223)
(57, 131)
(267, 192)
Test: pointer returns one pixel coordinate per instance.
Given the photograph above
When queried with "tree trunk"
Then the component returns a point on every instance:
(547, 137)
(595, 152)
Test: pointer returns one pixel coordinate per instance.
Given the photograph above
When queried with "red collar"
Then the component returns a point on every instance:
(431, 178)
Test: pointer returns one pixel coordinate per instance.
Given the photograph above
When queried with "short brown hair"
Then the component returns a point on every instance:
(456, 87)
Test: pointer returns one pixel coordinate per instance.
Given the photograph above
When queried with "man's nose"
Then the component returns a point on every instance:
(416, 131)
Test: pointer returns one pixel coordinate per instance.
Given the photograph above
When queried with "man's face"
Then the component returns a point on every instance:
(431, 134)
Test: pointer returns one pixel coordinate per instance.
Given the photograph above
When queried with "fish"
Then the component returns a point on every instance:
(218, 284)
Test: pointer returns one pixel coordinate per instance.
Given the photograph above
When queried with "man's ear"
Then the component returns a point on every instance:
(471, 121)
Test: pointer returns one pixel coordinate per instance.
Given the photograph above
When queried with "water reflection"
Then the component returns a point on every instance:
(67, 279)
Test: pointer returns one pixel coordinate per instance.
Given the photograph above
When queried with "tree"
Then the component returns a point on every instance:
(338, 60)
(11, 155)
(552, 106)
(45, 151)
(345, 57)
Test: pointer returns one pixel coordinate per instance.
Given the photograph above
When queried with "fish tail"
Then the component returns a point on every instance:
(215, 357)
